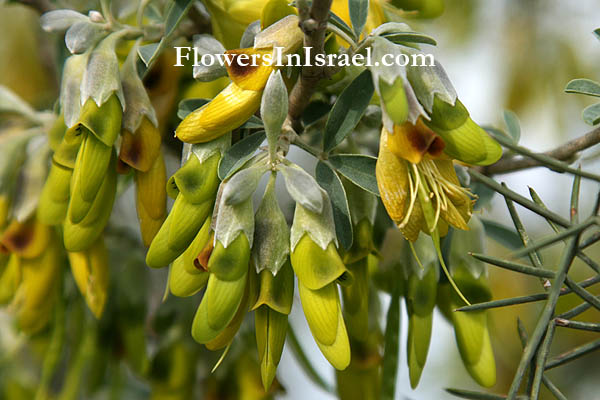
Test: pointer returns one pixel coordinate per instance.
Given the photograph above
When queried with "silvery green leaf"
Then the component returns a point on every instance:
(101, 78)
(428, 81)
(137, 101)
(70, 90)
(124, 8)
(236, 156)
(243, 184)
(279, 34)
(274, 109)
(249, 35)
(302, 187)
(362, 204)
(390, 27)
(13, 153)
(83, 35)
(271, 233)
(208, 73)
(147, 52)
(233, 220)
(319, 226)
(60, 20)
(464, 242)
(204, 150)
(331, 182)
(206, 44)
(10, 102)
(359, 9)
(33, 177)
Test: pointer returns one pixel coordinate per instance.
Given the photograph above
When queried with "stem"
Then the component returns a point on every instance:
(544, 320)
(313, 23)
(563, 153)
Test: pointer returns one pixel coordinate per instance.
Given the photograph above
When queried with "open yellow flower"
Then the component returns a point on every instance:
(417, 179)
(234, 104)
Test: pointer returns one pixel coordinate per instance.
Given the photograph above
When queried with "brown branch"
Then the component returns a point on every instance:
(313, 23)
(564, 152)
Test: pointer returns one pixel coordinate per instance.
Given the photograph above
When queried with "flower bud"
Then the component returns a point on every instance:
(420, 301)
(270, 312)
(465, 140)
(228, 268)
(91, 272)
(151, 199)
(54, 200)
(324, 316)
(79, 235)
(195, 184)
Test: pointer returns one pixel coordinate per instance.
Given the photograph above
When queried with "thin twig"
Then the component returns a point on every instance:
(313, 23)
(564, 152)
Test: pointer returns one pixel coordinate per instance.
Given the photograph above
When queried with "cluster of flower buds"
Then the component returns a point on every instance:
(29, 278)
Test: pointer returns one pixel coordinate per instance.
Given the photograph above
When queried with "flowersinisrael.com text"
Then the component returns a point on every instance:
(278, 59)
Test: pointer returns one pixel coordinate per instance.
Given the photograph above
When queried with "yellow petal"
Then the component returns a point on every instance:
(392, 180)
(227, 111)
(248, 70)
(140, 149)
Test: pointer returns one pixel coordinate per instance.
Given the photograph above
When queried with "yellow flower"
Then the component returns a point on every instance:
(418, 184)
(234, 104)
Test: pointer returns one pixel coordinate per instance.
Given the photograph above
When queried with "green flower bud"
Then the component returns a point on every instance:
(470, 328)
(271, 309)
(225, 337)
(54, 200)
(228, 268)
(195, 186)
(181, 282)
(324, 316)
(90, 171)
(464, 139)
(271, 329)
(420, 301)
(79, 235)
(10, 279)
(356, 301)
(314, 266)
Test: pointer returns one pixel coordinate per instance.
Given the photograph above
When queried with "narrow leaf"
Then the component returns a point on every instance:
(502, 234)
(360, 169)
(146, 52)
(348, 109)
(239, 153)
(332, 184)
(392, 348)
(583, 86)
(409, 37)
(340, 24)
(591, 114)
(512, 125)
(175, 14)
(359, 9)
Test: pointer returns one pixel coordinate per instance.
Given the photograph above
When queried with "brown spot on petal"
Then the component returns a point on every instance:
(201, 261)
(17, 237)
(436, 148)
(241, 65)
